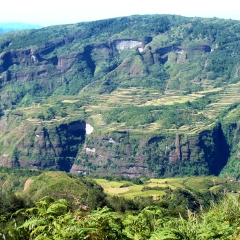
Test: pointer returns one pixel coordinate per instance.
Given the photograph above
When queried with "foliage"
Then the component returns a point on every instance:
(51, 219)
(173, 116)
(221, 222)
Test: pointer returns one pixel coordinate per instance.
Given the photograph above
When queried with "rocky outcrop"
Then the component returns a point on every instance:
(65, 146)
(168, 49)
(182, 53)
(126, 44)
(54, 147)
(45, 67)
(158, 156)
(6, 160)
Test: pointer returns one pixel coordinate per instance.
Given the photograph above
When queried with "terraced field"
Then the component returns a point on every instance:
(227, 96)
(222, 98)
(96, 105)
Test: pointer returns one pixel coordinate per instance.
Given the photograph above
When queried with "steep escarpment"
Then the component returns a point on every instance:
(159, 91)
(78, 147)
(231, 130)
(121, 153)
(42, 146)
(41, 72)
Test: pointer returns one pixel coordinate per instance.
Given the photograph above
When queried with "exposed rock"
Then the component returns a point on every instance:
(125, 44)
(27, 184)
(6, 161)
(89, 128)
(90, 150)
(52, 146)
(77, 169)
(177, 146)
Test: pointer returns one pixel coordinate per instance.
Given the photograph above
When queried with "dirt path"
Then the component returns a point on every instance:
(27, 184)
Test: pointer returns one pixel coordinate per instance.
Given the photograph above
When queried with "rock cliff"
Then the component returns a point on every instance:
(140, 95)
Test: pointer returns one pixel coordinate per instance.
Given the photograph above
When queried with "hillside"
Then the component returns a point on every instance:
(160, 92)
(166, 188)
(32, 185)
(52, 204)
(120, 194)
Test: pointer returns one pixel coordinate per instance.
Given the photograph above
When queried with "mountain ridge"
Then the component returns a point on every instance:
(159, 90)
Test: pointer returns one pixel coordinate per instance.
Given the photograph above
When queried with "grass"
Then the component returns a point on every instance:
(116, 190)
(197, 183)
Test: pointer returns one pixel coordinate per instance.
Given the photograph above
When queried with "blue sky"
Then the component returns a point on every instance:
(49, 12)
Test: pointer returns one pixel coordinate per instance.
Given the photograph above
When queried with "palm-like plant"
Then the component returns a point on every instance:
(51, 219)
(146, 222)
(222, 221)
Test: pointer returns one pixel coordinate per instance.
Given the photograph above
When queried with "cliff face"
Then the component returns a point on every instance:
(66, 146)
(153, 88)
(232, 132)
(164, 155)
(60, 147)
(27, 65)
(54, 147)
(40, 72)
(30, 65)
(43, 71)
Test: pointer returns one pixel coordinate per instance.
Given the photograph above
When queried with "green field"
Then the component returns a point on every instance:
(200, 184)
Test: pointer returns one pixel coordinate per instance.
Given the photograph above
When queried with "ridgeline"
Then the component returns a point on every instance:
(160, 94)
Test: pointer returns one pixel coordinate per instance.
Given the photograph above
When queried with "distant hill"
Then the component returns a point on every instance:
(161, 93)
(15, 26)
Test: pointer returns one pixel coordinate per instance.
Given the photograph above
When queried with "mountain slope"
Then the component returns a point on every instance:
(157, 89)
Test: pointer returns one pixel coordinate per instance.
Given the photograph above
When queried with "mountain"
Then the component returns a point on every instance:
(15, 26)
(154, 95)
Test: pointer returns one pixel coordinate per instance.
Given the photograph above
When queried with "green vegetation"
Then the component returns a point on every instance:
(162, 95)
(160, 91)
(76, 207)
(52, 219)
(161, 188)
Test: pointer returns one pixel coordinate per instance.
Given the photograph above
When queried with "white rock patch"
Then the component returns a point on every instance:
(92, 150)
(111, 140)
(89, 128)
(34, 58)
(121, 44)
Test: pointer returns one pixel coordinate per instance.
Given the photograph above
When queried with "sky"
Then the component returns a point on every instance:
(49, 12)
